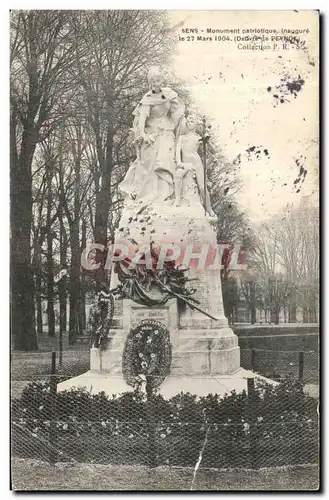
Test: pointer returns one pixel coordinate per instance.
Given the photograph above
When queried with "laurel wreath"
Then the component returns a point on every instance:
(100, 325)
(147, 354)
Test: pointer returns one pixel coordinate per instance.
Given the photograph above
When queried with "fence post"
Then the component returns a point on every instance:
(53, 413)
(151, 424)
(252, 410)
(60, 346)
(301, 367)
(253, 360)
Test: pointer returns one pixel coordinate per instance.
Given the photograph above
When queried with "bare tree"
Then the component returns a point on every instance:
(73, 90)
(111, 76)
(40, 54)
(251, 289)
(286, 259)
(298, 251)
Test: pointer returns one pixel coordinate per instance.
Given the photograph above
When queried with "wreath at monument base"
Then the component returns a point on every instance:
(100, 317)
(147, 354)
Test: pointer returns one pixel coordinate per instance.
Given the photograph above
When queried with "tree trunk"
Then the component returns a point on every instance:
(305, 314)
(82, 316)
(293, 308)
(234, 315)
(74, 286)
(38, 292)
(62, 282)
(261, 315)
(275, 316)
(225, 293)
(103, 202)
(22, 282)
(50, 270)
(74, 290)
(312, 314)
(253, 314)
(38, 283)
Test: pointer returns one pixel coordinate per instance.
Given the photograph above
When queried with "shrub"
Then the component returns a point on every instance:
(279, 428)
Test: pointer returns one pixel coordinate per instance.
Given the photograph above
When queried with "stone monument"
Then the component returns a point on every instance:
(167, 204)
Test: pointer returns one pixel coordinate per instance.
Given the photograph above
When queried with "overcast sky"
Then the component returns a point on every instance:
(231, 87)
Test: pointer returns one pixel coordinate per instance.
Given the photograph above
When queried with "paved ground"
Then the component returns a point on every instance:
(36, 475)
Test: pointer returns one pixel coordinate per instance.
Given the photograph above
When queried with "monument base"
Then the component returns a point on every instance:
(205, 351)
(96, 382)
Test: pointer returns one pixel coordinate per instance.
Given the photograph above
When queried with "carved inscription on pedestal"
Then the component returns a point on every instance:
(160, 314)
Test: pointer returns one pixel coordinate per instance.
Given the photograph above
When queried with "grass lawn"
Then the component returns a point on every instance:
(37, 475)
(28, 366)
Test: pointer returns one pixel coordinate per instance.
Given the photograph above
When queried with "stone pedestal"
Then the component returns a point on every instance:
(205, 352)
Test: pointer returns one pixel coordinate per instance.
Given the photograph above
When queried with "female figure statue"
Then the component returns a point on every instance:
(157, 116)
(189, 176)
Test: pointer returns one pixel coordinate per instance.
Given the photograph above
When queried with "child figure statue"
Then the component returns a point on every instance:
(189, 175)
